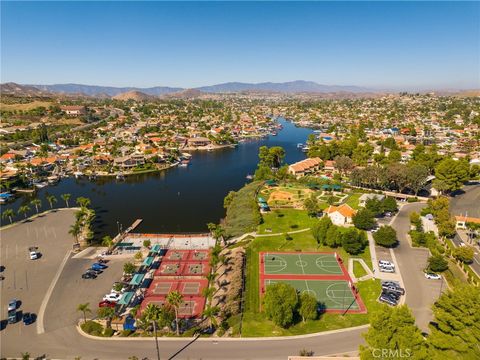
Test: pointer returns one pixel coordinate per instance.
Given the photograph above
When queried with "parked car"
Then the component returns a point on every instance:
(89, 275)
(388, 214)
(28, 318)
(98, 266)
(93, 271)
(393, 289)
(112, 297)
(432, 276)
(385, 263)
(392, 295)
(101, 265)
(387, 269)
(386, 299)
(33, 252)
(12, 304)
(106, 303)
(12, 316)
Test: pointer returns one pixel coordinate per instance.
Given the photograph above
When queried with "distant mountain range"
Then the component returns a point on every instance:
(298, 86)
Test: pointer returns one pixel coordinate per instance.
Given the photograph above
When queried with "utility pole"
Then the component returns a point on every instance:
(156, 339)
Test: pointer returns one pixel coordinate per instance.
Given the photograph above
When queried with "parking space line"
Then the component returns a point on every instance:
(43, 306)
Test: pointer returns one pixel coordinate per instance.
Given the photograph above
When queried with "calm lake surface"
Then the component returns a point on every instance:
(174, 200)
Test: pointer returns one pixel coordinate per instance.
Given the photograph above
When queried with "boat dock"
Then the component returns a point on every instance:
(134, 225)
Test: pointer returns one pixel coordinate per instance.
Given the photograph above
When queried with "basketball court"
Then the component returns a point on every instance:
(321, 274)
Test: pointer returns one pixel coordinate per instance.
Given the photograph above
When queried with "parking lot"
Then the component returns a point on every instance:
(30, 281)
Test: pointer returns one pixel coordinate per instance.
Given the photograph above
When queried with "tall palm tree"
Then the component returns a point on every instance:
(84, 309)
(37, 203)
(107, 241)
(210, 314)
(107, 313)
(9, 213)
(24, 209)
(75, 231)
(66, 197)
(151, 315)
(175, 299)
(83, 202)
(51, 200)
(208, 293)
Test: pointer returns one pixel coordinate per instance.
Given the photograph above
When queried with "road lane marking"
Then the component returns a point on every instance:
(43, 306)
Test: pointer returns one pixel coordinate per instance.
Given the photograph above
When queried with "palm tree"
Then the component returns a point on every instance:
(84, 308)
(107, 241)
(211, 277)
(37, 203)
(175, 299)
(51, 200)
(24, 209)
(107, 313)
(75, 231)
(66, 197)
(151, 314)
(9, 213)
(210, 313)
(208, 293)
(83, 202)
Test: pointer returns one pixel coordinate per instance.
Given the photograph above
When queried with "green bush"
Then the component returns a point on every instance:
(93, 328)
(412, 200)
(108, 332)
(243, 214)
(125, 333)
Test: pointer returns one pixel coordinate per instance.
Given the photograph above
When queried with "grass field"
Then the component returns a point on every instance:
(27, 106)
(358, 270)
(285, 220)
(353, 199)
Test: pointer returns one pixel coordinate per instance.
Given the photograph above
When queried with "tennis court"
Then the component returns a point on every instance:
(331, 294)
(300, 264)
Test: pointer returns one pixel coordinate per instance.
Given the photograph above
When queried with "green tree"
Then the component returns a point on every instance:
(24, 209)
(107, 241)
(464, 254)
(75, 230)
(280, 302)
(175, 299)
(334, 237)
(353, 241)
(8, 213)
(106, 313)
(228, 199)
(308, 307)
(437, 263)
(83, 202)
(344, 164)
(375, 206)
(129, 268)
(452, 173)
(84, 309)
(393, 330)
(416, 177)
(51, 200)
(37, 203)
(319, 230)
(311, 205)
(389, 204)
(455, 331)
(364, 219)
(385, 236)
(66, 198)
(210, 314)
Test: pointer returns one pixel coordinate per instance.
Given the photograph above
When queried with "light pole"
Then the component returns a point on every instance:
(156, 339)
(118, 227)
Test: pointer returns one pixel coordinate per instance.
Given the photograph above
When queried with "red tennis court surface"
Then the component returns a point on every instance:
(321, 274)
(192, 305)
(186, 255)
(182, 268)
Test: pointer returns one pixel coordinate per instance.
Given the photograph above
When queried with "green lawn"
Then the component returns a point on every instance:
(352, 200)
(256, 324)
(358, 270)
(254, 321)
(284, 220)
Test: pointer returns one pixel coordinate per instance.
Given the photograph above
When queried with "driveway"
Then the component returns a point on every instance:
(421, 293)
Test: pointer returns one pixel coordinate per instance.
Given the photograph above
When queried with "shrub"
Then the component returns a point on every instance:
(125, 333)
(108, 332)
(385, 236)
(243, 214)
(437, 263)
(91, 327)
(147, 243)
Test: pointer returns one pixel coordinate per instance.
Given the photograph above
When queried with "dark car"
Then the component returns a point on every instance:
(28, 318)
(106, 303)
(393, 289)
(388, 300)
(392, 295)
(99, 265)
(93, 271)
(89, 275)
(12, 316)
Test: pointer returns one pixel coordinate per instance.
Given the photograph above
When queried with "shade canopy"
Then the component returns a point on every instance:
(148, 261)
(126, 298)
(137, 279)
(156, 248)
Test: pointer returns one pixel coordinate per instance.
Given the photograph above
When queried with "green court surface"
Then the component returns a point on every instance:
(300, 264)
(333, 294)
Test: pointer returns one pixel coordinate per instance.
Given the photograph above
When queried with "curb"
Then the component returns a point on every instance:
(212, 339)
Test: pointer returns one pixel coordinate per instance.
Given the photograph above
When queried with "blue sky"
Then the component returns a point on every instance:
(405, 45)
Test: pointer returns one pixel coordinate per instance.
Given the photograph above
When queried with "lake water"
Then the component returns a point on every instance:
(177, 199)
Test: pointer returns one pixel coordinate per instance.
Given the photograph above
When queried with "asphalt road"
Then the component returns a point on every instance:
(421, 293)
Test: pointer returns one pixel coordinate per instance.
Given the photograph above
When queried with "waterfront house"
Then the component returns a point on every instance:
(198, 141)
(340, 215)
(129, 161)
(305, 167)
